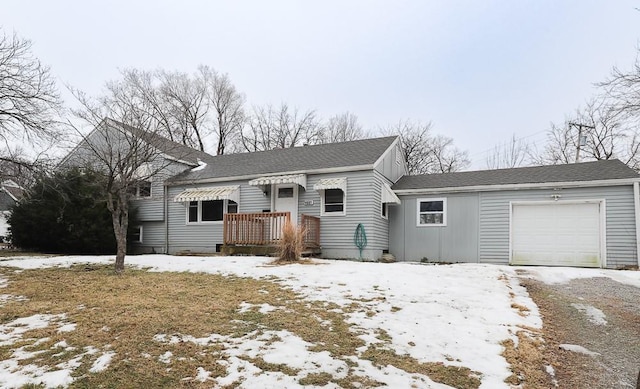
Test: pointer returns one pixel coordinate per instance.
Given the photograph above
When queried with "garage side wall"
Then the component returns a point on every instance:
(620, 220)
(455, 242)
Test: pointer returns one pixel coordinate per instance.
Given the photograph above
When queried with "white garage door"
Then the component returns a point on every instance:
(557, 234)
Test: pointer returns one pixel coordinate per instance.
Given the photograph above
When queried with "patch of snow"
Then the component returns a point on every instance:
(166, 357)
(560, 275)
(12, 331)
(578, 349)
(264, 308)
(102, 362)
(594, 315)
(552, 373)
(67, 327)
(203, 375)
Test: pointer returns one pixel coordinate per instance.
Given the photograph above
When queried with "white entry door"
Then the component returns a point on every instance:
(285, 199)
(557, 234)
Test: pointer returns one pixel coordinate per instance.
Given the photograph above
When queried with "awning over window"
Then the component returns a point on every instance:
(331, 183)
(208, 194)
(388, 196)
(299, 179)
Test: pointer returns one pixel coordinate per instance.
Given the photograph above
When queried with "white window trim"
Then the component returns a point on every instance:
(141, 235)
(344, 204)
(225, 209)
(444, 211)
(137, 194)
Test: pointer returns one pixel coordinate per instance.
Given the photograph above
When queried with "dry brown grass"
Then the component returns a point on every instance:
(122, 313)
(291, 243)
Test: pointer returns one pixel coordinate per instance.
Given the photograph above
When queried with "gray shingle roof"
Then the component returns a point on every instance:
(294, 159)
(586, 171)
(167, 146)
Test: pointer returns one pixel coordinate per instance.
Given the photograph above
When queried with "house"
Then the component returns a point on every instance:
(10, 193)
(583, 214)
(329, 188)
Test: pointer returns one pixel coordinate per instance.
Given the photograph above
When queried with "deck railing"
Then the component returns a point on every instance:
(311, 226)
(259, 229)
(254, 228)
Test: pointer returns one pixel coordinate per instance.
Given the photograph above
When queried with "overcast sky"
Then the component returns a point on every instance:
(479, 70)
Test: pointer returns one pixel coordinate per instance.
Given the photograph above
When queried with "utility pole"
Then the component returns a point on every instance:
(579, 143)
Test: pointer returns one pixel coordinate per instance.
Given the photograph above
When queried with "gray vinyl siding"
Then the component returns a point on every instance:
(478, 225)
(152, 238)
(362, 206)
(202, 238)
(455, 242)
(152, 208)
(620, 221)
(389, 166)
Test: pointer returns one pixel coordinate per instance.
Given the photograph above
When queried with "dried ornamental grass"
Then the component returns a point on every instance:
(291, 243)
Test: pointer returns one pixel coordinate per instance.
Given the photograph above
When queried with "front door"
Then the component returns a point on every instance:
(285, 199)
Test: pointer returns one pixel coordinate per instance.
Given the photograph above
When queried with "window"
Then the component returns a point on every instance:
(136, 234)
(384, 210)
(285, 193)
(141, 189)
(209, 211)
(432, 212)
(333, 201)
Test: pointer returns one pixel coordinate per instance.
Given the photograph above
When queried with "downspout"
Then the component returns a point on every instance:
(166, 218)
(636, 203)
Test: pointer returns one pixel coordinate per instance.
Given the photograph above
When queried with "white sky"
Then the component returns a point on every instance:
(480, 71)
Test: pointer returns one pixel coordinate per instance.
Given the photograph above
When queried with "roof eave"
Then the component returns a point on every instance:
(541, 185)
(341, 169)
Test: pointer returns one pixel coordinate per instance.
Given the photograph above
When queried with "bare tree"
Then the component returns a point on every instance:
(607, 133)
(277, 128)
(623, 89)
(123, 152)
(227, 104)
(29, 107)
(341, 128)
(425, 153)
(513, 154)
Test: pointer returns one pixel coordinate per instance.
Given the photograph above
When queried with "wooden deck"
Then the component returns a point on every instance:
(259, 233)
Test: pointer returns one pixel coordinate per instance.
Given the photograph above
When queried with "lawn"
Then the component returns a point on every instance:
(241, 322)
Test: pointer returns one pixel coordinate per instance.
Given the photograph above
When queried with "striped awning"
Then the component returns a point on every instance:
(331, 183)
(388, 196)
(208, 194)
(299, 179)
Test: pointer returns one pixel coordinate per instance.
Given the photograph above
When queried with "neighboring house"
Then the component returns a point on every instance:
(583, 214)
(10, 193)
(168, 158)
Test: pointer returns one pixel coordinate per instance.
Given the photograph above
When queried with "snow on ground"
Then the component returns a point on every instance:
(454, 314)
(594, 315)
(559, 275)
(578, 349)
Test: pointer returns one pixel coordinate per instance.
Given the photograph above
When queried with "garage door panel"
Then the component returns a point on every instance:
(557, 234)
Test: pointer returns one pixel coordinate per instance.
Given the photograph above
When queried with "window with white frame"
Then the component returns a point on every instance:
(384, 210)
(210, 210)
(432, 212)
(333, 201)
(136, 234)
(141, 190)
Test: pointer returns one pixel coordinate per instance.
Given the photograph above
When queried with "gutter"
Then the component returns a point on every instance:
(166, 218)
(541, 185)
(341, 169)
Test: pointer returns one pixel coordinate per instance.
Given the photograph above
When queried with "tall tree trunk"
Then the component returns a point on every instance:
(119, 208)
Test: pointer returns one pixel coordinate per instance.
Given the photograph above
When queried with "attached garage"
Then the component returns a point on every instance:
(582, 214)
(558, 233)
